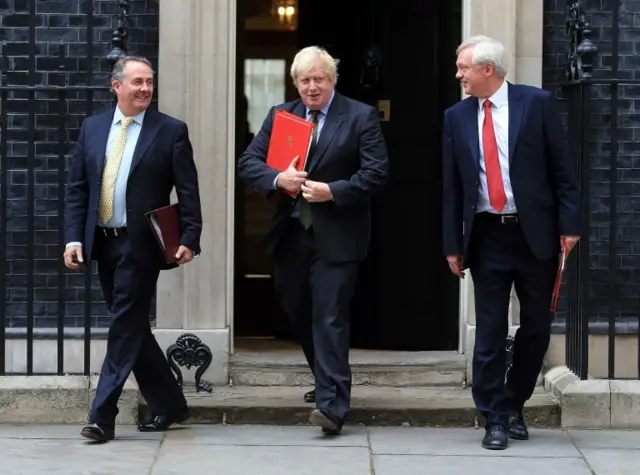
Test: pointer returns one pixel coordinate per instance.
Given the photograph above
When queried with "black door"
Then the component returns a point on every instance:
(403, 53)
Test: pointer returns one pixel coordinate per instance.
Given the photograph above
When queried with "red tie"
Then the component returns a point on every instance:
(497, 196)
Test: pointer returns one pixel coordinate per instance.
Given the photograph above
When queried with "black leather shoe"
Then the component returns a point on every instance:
(496, 438)
(162, 423)
(517, 428)
(324, 420)
(310, 396)
(98, 432)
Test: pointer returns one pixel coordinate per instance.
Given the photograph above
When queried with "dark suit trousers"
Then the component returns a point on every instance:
(128, 290)
(316, 296)
(499, 257)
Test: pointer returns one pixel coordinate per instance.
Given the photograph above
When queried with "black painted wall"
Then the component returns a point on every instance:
(627, 252)
(64, 22)
(60, 27)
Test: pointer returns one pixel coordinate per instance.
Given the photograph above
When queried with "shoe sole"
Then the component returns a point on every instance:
(319, 419)
(493, 447)
(93, 436)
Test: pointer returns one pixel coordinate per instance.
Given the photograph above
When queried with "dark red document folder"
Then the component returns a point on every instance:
(165, 225)
(290, 137)
(558, 283)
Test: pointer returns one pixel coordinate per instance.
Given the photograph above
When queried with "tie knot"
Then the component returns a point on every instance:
(126, 121)
(314, 116)
(487, 104)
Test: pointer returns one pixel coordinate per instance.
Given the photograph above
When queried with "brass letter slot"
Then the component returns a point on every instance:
(384, 110)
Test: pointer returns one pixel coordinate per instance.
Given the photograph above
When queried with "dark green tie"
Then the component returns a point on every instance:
(306, 218)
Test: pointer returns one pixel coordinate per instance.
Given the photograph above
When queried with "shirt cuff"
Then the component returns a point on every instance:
(275, 182)
(74, 243)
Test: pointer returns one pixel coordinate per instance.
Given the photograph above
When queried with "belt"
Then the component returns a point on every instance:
(112, 232)
(501, 218)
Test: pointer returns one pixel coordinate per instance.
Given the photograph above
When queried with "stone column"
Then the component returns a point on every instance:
(197, 84)
(518, 24)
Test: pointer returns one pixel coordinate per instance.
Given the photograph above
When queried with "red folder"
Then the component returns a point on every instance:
(290, 137)
(558, 282)
(165, 225)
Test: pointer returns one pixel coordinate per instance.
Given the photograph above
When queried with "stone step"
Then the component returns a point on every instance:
(375, 368)
(371, 405)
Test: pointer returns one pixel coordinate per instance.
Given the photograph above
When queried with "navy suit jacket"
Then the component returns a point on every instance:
(351, 157)
(162, 160)
(542, 176)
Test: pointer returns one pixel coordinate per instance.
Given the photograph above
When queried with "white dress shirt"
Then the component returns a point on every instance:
(500, 114)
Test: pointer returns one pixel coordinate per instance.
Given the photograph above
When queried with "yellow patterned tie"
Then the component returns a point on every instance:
(110, 174)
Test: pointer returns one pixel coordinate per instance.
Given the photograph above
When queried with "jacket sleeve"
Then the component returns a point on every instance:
(252, 167)
(185, 178)
(562, 174)
(77, 193)
(374, 166)
(452, 230)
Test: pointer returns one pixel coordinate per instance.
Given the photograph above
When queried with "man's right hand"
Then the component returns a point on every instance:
(291, 179)
(73, 257)
(455, 264)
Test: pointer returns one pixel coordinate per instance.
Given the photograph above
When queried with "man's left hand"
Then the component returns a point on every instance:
(568, 242)
(316, 192)
(184, 255)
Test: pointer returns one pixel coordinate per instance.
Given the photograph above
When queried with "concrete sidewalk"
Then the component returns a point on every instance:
(278, 450)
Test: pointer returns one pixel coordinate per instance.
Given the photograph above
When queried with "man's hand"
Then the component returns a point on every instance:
(568, 242)
(291, 179)
(455, 264)
(316, 192)
(184, 255)
(73, 257)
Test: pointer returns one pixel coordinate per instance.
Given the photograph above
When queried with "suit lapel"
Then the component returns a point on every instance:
(471, 121)
(300, 110)
(516, 115)
(332, 122)
(102, 135)
(150, 127)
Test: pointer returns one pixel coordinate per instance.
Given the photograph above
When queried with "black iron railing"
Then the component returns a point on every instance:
(39, 124)
(603, 282)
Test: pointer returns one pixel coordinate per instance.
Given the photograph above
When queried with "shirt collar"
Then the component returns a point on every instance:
(325, 109)
(500, 98)
(118, 115)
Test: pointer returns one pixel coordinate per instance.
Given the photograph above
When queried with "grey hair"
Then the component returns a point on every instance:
(487, 51)
(118, 69)
(306, 58)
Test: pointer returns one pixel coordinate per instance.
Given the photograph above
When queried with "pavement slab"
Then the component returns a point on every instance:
(302, 450)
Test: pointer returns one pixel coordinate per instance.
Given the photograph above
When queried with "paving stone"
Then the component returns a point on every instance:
(466, 442)
(606, 439)
(613, 462)
(252, 435)
(262, 460)
(424, 465)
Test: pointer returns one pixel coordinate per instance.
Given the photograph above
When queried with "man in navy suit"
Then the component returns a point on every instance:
(126, 162)
(511, 203)
(319, 238)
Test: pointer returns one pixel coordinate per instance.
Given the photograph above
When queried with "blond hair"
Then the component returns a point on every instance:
(306, 59)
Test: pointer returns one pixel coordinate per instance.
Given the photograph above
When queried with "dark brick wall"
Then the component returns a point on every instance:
(60, 29)
(627, 250)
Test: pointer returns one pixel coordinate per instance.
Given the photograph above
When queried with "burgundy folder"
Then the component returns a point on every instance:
(558, 283)
(165, 225)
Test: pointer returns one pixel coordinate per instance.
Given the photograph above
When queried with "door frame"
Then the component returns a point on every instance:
(466, 311)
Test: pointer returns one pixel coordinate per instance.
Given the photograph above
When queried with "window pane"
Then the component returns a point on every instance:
(264, 86)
